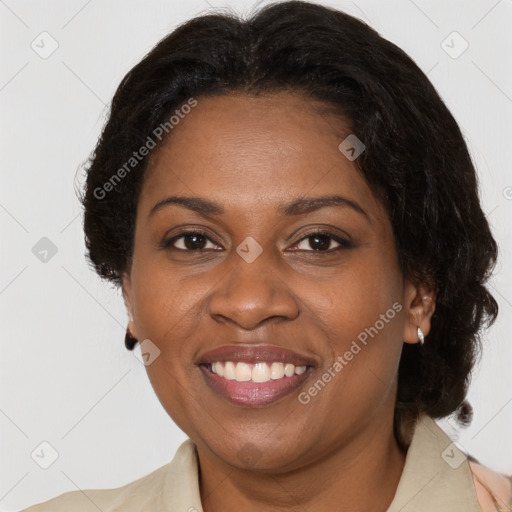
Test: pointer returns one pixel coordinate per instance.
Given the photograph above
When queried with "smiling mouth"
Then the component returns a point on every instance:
(254, 384)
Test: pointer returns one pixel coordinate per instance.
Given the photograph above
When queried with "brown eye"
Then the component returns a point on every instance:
(189, 241)
(321, 241)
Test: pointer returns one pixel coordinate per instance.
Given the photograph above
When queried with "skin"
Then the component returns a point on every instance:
(251, 155)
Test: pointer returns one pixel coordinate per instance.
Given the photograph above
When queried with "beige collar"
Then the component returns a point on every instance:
(436, 474)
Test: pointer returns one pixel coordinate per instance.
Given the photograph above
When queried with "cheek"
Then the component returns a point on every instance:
(357, 298)
(168, 313)
(164, 302)
(361, 317)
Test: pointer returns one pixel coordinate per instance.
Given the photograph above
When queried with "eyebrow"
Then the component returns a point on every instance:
(298, 206)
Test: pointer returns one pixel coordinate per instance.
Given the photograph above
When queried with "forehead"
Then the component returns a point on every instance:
(255, 151)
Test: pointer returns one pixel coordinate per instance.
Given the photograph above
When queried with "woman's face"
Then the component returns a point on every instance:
(261, 274)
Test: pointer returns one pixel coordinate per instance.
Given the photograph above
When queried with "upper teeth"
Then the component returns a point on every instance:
(258, 372)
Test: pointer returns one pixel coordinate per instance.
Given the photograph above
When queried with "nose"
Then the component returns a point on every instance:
(252, 294)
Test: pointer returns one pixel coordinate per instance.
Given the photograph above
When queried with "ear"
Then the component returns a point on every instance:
(419, 308)
(128, 301)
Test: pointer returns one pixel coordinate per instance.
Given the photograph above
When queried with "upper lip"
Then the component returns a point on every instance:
(255, 353)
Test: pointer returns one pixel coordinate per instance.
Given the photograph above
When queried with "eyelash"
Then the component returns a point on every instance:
(343, 243)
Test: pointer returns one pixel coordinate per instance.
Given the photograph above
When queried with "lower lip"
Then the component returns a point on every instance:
(254, 394)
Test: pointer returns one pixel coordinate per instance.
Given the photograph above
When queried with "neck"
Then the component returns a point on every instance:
(355, 477)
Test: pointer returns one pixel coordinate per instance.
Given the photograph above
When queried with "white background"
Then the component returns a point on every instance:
(65, 376)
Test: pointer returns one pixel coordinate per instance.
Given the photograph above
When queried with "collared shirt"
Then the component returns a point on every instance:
(437, 477)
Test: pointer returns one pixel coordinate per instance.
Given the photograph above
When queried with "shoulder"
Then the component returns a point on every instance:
(493, 489)
(141, 492)
(175, 483)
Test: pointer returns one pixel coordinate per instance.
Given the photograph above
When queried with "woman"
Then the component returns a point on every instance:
(293, 217)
